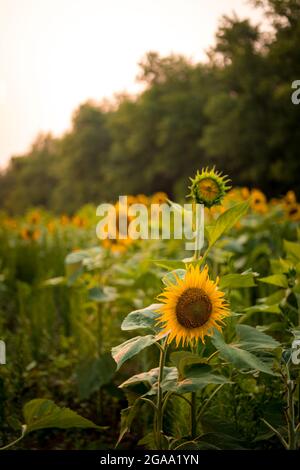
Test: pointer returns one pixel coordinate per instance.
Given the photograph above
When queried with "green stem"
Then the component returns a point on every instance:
(193, 415)
(99, 352)
(158, 422)
(291, 413)
(14, 442)
(205, 404)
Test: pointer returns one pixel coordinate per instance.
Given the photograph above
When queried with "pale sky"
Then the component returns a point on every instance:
(55, 54)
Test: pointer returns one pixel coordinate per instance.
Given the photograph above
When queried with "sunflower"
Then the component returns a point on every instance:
(142, 199)
(78, 221)
(209, 187)
(293, 212)
(245, 193)
(29, 234)
(192, 307)
(159, 198)
(34, 217)
(290, 198)
(115, 246)
(257, 198)
(258, 201)
(64, 220)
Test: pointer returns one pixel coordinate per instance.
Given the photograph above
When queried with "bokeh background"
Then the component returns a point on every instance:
(154, 88)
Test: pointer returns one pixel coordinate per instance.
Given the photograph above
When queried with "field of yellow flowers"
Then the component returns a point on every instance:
(136, 344)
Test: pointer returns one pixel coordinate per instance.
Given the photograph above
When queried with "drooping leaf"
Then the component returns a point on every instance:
(238, 357)
(43, 414)
(149, 379)
(127, 417)
(254, 340)
(193, 384)
(142, 319)
(131, 347)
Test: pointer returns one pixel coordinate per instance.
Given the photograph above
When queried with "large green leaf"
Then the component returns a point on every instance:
(169, 264)
(226, 221)
(292, 248)
(94, 373)
(145, 318)
(193, 384)
(42, 414)
(149, 379)
(236, 281)
(274, 308)
(279, 280)
(238, 357)
(127, 417)
(130, 348)
(255, 340)
(184, 360)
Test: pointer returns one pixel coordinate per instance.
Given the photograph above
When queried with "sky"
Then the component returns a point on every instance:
(56, 54)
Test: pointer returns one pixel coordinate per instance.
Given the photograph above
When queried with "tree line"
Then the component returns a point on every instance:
(233, 111)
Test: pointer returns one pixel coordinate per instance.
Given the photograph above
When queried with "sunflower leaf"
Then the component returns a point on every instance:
(279, 280)
(43, 414)
(226, 221)
(235, 281)
(131, 347)
(239, 357)
(144, 318)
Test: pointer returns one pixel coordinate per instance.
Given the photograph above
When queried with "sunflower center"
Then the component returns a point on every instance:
(293, 211)
(193, 308)
(208, 188)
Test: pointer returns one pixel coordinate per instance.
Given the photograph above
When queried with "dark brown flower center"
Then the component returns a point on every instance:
(293, 211)
(193, 308)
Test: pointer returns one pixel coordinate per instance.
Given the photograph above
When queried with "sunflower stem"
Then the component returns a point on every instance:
(193, 415)
(292, 441)
(194, 405)
(158, 421)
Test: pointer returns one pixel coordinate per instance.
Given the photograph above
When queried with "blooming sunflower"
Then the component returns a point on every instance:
(209, 187)
(293, 212)
(192, 307)
(290, 198)
(159, 198)
(258, 201)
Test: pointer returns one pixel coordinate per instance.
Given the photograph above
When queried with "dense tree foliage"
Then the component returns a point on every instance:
(234, 110)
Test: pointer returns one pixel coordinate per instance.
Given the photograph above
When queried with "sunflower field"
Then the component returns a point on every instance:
(139, 344)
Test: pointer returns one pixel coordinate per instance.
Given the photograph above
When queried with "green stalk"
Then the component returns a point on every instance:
(99, 352)
(158, 422)
(11, 444)
(193, 415)
(292, 442)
